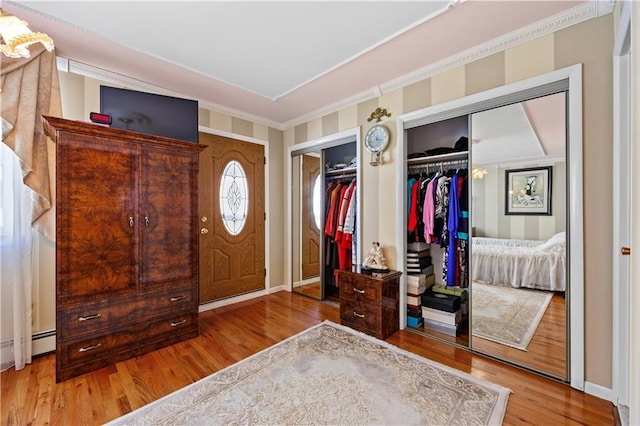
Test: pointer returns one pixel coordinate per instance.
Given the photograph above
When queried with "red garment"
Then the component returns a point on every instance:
(413, 214)
(344, 243)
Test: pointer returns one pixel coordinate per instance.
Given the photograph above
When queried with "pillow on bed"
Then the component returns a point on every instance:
(555, 242)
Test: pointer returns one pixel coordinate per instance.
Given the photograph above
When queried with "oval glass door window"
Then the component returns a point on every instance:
(316, 201)
(234, 197)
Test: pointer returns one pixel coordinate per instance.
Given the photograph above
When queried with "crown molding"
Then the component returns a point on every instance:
(576, 15)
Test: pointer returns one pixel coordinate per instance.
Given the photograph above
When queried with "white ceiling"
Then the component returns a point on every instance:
(273, 61)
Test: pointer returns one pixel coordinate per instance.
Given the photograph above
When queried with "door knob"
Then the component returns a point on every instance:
(204, 231)
(204, 219)
(626, 251)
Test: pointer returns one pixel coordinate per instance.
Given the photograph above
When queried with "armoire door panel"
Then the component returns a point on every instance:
(168, 218)
(96, 239)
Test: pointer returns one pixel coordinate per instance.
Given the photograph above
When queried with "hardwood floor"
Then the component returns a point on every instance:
(231, 333)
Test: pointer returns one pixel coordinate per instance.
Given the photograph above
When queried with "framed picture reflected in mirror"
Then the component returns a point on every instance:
(528, 191)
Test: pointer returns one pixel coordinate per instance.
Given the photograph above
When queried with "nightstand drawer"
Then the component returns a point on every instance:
(361, 317)
(361, 291)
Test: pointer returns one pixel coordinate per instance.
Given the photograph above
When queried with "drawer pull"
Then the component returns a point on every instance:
(358, 315)
(90, 348)
(176, 298)
(90, 317)
(357, 290)
(177, 323)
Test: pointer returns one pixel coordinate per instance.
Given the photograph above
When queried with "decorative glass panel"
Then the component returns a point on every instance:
(234, 197)
(316, 201)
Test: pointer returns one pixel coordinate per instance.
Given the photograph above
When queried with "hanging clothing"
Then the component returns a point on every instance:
(452, 227)
(437, 212)
(412, 221)
(344, 246)
(428, 210)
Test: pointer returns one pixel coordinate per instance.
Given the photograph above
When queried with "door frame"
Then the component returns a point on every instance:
(622, 128)
(575, 210)
(267, 258)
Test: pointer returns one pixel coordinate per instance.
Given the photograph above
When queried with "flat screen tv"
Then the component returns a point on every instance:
(150, 113)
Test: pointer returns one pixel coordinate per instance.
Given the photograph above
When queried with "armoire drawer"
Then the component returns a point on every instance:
(93, 317)
(94, 348)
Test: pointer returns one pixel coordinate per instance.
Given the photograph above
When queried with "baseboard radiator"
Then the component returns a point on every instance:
(42, 342)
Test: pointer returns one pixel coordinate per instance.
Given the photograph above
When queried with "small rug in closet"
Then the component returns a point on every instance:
(330, 374)
(507, 315)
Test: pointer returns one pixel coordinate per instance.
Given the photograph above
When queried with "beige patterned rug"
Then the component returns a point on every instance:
(507, 315)
(330, 374)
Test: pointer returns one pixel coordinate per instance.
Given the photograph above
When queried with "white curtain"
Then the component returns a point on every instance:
(16, 265)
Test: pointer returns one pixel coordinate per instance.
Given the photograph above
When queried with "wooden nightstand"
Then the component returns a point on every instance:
(369, 302)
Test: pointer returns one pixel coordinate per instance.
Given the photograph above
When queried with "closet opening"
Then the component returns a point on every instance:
(524, 197)
(437, 218)
(323, 219)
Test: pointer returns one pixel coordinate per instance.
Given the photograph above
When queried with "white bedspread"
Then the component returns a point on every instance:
(521, 263)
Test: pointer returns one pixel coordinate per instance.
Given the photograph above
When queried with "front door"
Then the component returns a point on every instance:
(232, 218)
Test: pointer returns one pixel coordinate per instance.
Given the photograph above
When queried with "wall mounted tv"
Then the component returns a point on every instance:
(150, 113)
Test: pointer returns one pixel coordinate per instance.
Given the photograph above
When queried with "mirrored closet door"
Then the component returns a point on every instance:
(323, 182)
(519, 267)
(524, 284)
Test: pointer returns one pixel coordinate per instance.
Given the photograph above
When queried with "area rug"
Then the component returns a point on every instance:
(507, 315)
(330, 374)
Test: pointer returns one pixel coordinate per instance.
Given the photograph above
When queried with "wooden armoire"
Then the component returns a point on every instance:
(126, 244)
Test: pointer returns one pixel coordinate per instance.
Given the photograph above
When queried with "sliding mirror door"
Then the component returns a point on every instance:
(306, 192)
(317, 169)
(519, 267)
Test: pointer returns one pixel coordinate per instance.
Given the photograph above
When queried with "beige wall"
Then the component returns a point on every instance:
(589, 43)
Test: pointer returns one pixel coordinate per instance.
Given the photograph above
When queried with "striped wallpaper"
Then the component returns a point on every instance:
(588, 43)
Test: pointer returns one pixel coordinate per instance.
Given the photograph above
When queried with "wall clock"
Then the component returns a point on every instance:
(376, 141)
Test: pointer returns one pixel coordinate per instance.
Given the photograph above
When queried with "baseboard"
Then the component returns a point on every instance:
(44, 342)
(231, 300)
(598, 391)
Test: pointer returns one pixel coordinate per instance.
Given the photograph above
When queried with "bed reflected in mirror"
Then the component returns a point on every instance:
(519, 268)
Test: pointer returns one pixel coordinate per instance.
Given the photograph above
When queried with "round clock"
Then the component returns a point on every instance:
(376, 139)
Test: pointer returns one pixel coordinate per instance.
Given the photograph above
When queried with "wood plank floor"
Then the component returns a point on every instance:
(547, 350)
(231, 333)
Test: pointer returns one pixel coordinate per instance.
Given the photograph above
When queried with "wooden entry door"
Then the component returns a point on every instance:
(232, 248)
(310, 230)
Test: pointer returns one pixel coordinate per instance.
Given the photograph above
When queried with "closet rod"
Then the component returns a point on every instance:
(437, 164)
(341, 176)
